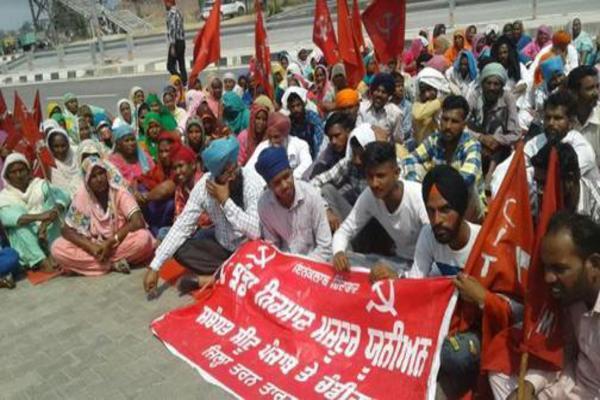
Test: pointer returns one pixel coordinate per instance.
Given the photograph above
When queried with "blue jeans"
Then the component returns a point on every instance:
(9, 261)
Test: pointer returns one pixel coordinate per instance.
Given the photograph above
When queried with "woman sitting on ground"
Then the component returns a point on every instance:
(131, 160)
(65, 175)
(30, 211)
(235, 113)
(251, 137)
(152, 128)
(156, 188)
(194, 135)
(104, 227)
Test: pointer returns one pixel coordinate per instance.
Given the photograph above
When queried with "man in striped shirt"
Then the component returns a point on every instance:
(453, 146)
(176, 39)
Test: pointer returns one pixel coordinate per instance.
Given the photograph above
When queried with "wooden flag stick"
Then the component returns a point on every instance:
(522, 372)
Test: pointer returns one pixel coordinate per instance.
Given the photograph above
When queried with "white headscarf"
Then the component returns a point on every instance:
(364, 134)
(32, 199)
(434, 78)
(120, 120)
(66, 174)
(302, 93)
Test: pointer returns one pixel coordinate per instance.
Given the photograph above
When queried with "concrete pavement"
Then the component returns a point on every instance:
(89, 338)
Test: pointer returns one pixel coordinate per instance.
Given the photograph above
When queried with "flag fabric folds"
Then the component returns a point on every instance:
(324, 33)
(349, 48)
(207, 44)
(385, 22)
(262, 66)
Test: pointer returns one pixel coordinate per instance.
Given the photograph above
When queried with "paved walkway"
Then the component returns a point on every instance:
(88, 338)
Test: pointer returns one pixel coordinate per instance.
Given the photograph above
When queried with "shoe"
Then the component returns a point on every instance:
(121, 266)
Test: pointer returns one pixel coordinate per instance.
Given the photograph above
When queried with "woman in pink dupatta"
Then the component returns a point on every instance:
(104, 228)
(322, 92)
(409, 58)
(542, 39)
(193, 100)
(251, 137)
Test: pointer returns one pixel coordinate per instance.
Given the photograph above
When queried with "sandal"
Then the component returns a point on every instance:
(121, 266)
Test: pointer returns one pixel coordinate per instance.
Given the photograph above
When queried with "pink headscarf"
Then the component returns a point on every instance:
(476, 42)
(193, 99)
(533, 48)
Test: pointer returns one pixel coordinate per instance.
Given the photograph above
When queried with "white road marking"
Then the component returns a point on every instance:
(87, 96)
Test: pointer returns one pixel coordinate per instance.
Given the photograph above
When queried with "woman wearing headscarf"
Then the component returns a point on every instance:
(66, 174)
(459, 44)
(251, 137)
(213, 128)
(322, 91)
(152, 128)
(235, 113)
(175, 81)
(194, 135)
(30, 212)
(278, 134)
(136, 96)
(279, 80)
(154, 103)
(131, 160)
(431, 86)
(521, 38)
(409, 58)
(246, 89)
(193, 100)
(583, 42)
(214, 97)
(543, 38)
(178, 113)
(141, 112)
(104, 228)
(441, 44)
(125, 114)
(230, 84)
(93, 149)
(155, 188)
(479, 46)
(371, 69)
(463, 72)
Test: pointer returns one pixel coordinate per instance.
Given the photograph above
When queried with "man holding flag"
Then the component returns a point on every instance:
(570, 253)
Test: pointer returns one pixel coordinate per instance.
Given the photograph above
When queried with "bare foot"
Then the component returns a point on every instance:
(48, 265)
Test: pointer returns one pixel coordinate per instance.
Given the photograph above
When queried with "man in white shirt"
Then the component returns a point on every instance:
(570, 253)
(379, 111)
(445, 244)
(291, 211)
(583, 84)
(396, 204)
(229, 196)
(559, 115)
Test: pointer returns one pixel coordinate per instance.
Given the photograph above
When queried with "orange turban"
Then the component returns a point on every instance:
(346, 98)
(561, 39)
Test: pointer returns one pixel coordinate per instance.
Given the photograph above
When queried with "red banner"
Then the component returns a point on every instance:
(284, 327)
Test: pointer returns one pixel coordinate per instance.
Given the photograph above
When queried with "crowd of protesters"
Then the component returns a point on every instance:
(395, 175)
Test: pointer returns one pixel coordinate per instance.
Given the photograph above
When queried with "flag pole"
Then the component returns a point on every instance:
(50, 193)
(522, 372)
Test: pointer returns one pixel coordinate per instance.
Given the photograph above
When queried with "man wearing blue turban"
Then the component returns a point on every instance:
(292, 212)
(229, 195)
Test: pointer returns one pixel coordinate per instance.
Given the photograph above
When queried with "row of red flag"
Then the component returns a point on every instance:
(384, 21)
(23, 129)
(506, 261)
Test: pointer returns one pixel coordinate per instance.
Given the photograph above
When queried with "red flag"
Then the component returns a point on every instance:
(324, 34)
(19, 109)
(542, 337)
(207, 44)
(349, 49)
(385, 22)
(14, 136)
(3, 107)
(501, 253)
(262, 67)
(357, 26)
(37, 109)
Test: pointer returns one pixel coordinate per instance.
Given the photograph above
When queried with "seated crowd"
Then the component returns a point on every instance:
(395, 175)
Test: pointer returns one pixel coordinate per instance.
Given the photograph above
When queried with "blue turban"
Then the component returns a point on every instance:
(122, 130)
(384, 79)
(271, 161)
(219, 153)
(551, 67)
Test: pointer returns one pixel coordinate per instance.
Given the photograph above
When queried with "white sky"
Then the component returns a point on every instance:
(13, 13)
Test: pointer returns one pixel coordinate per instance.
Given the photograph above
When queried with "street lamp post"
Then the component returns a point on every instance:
(451, 11)
(95, 31)
(534, 9)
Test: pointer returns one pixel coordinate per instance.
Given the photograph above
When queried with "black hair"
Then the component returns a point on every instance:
(507, 26)
(437, 30)
(339, 118)
(54, 134)
(397, 75)
(578, 74)
(423, 58)
(562, 99)
(568, 163)
(384, 80)
(293, 97)
(451, 185)
(454, 102)
(377, 153)
(514, 67)
(583, 230)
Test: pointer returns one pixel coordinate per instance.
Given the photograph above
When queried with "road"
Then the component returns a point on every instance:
(105, 92)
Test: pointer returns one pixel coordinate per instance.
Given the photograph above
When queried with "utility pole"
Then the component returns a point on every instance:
(452, 7)
(534, 9)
